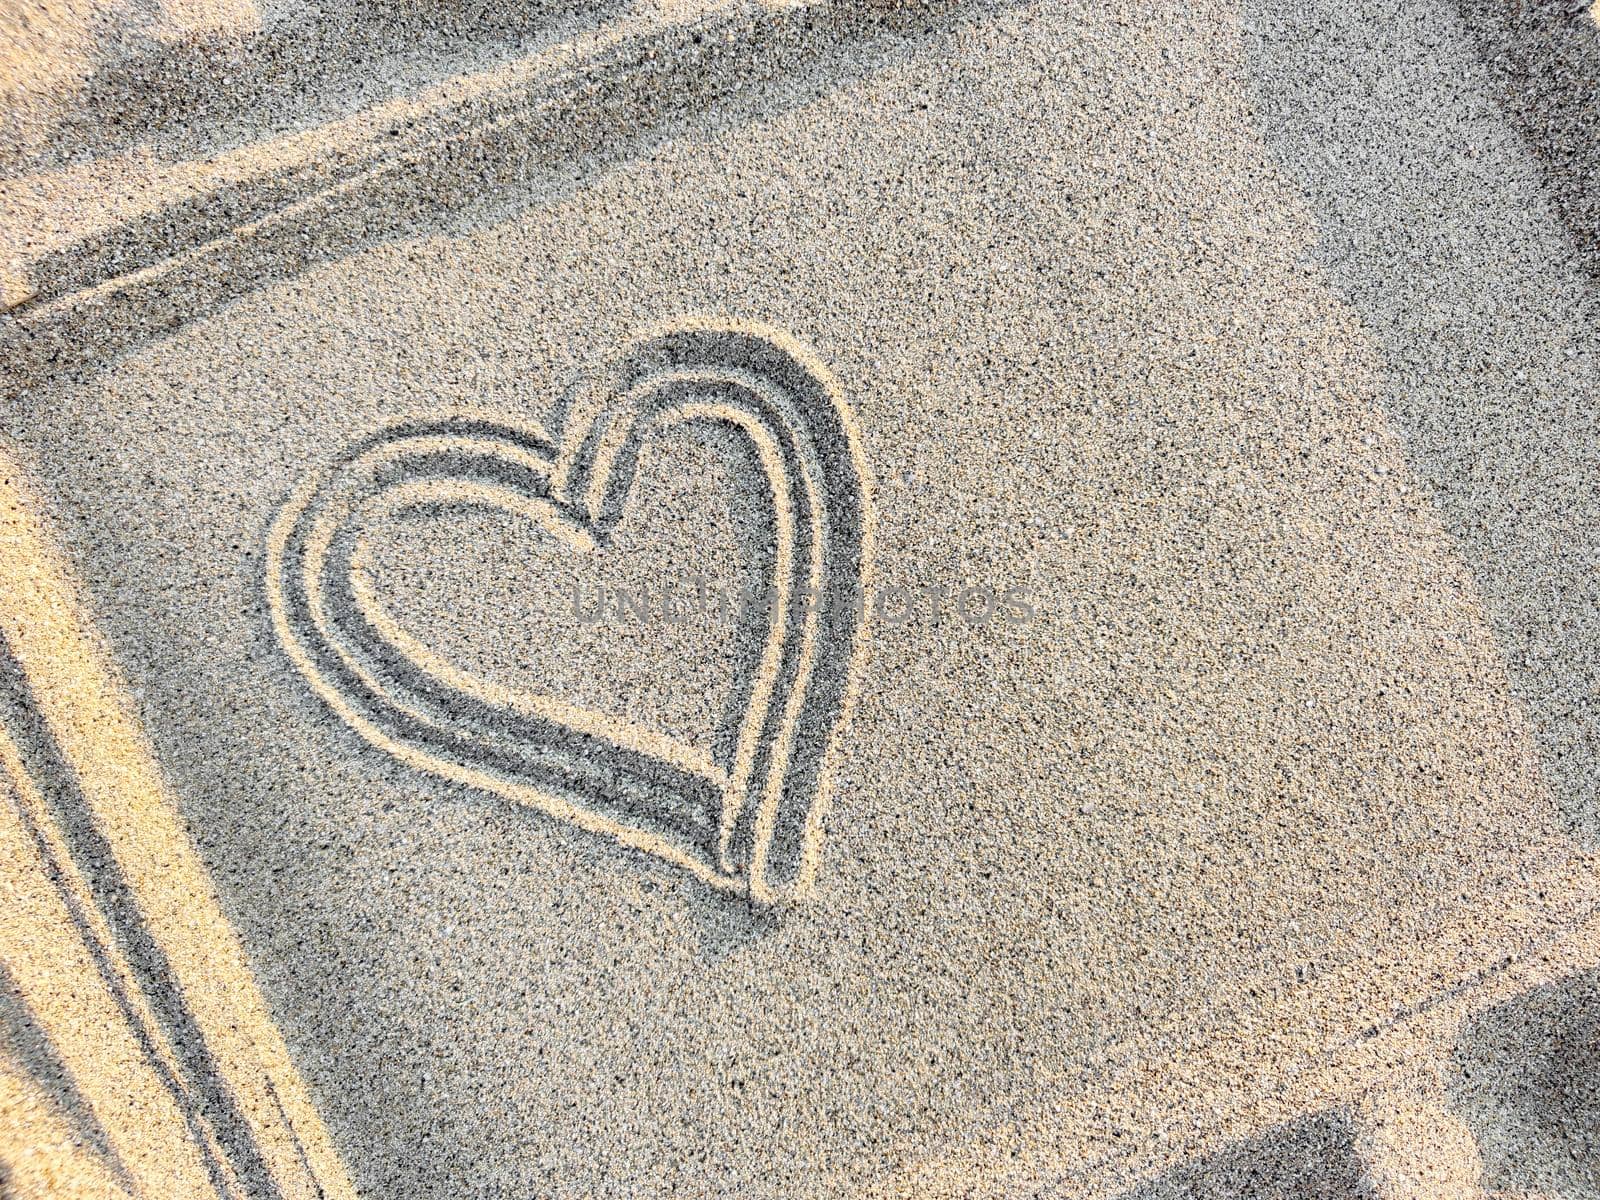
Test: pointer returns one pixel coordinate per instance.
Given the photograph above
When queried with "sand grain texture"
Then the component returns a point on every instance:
(1252, 340)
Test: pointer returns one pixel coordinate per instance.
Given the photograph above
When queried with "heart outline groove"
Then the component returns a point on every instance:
(751, 824)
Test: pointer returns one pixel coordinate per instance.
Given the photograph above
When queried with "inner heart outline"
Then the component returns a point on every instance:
(751, 824)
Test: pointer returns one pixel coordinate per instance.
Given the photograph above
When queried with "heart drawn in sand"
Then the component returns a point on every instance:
(747, 819)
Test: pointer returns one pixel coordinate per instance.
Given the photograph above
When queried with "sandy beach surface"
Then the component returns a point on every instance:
(1196, 401)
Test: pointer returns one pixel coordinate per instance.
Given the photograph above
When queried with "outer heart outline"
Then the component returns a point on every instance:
(750, 825)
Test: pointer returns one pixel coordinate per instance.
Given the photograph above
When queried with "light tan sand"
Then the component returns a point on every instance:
(1250, 340)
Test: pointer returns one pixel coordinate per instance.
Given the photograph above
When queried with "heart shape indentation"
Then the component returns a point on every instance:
(747, 818)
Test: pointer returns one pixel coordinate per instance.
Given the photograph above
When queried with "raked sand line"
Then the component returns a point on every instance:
(747, 819)
(111, 940)
(226, 228)
(187, 203)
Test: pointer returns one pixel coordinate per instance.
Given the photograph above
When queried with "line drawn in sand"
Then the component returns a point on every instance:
(138, 1056)
(744, 818)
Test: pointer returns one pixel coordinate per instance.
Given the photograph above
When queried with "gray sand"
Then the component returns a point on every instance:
(1248, 341)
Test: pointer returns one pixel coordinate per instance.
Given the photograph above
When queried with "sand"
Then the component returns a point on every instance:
(1249, 346)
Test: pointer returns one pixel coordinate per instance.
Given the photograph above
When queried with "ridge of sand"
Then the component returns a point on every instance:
(77, 225)
(83, 279)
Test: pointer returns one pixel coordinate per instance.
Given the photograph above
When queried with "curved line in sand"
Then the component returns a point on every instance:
(759, 834)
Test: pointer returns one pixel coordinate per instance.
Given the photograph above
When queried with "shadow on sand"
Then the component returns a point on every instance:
(1438, 232)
